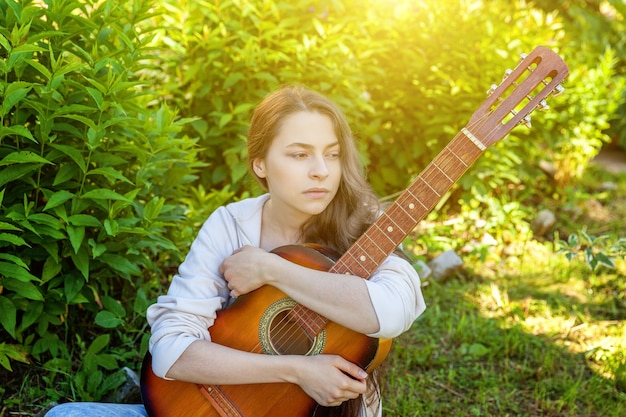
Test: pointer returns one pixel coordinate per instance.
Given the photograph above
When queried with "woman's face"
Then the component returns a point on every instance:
(302, 165)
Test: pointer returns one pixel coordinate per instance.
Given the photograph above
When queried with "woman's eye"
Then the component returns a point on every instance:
(300, 155)
(332, 155)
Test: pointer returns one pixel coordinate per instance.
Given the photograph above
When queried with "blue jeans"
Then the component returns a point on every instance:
(97, 410)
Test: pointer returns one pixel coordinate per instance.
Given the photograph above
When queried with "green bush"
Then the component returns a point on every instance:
(220, 58)
(408, 75)
(91, 178)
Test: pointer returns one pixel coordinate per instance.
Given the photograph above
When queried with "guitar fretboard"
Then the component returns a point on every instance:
(384, 236)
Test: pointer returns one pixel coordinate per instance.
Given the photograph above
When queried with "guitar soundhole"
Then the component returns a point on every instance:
(280, 333)
(287, 336)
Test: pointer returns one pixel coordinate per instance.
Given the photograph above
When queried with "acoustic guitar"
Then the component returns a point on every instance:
(267, 321)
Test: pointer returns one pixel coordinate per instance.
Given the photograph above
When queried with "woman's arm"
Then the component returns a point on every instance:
(343, 299)
(328, 379)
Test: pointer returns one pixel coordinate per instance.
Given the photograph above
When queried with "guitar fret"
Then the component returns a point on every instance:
(380, 231)
(429, 186)
(390, 228)
(381, 250)
(402, 216)
(457, 157)
(363, 256)
(356, 267)
(443, 172)
(416, 199)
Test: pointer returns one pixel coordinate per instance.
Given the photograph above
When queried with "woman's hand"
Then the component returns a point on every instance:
(330, 380)
(247, 269)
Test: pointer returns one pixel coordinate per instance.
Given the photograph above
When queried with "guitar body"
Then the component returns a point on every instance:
(265, 321)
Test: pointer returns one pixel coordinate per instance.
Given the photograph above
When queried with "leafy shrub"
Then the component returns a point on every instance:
(220, 58)
(91, 175)
(408, 75)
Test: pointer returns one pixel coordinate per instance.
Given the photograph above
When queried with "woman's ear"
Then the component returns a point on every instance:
(258, 165)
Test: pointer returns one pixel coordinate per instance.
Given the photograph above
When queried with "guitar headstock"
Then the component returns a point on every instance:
(522, 90)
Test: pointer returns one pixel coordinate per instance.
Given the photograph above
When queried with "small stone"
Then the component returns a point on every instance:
(445, 264)
(543, 223)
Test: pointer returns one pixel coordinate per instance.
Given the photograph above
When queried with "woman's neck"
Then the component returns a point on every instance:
(278, 228)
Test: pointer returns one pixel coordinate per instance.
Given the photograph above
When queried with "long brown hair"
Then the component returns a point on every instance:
(355, 205)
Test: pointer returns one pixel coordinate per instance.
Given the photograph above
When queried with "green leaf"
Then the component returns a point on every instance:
(97, 249)
(16, 130)
(12, 96)
(15, 172)
(121, 264)
(605, 260)
(51, 268)
(108, 320)
(104, 194)
(25, 289)
(98, 344)
(113, 306)
(82, 119)
(32, 314)
(111, 174)
(74, 154)
(76, 235)
(81, 261)
(8, 318)
(23, 157)
(15, 240)
(9, 226)
(111, 226)
(14, 352)
(72, 285)
(108, 362)
(42, 69)
(232, 79)
(141, 303)
(16, 260)
(84, 220)
(57, 199)
(65, 173)
(153, 208)
(5, 43)
(16, 272)
(226, 117)
(96, 95)
(45, 219)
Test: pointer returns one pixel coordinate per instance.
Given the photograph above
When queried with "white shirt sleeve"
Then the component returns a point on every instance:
(196, 293)
(396, 295)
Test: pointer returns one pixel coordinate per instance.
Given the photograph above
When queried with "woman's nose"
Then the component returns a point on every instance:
(319, 168)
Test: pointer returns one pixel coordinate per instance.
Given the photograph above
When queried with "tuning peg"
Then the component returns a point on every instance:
(526, 121)
(543, 105)
(492, 89)
(522, 57)
(507, 72)
(558, 90)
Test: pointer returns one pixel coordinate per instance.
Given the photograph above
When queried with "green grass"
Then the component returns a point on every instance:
(521, 331)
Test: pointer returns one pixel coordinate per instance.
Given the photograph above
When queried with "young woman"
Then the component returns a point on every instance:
(302, 152)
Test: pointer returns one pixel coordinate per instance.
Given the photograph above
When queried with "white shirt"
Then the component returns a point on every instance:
(198, 291)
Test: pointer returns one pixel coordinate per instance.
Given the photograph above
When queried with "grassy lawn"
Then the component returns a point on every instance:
(521, 330)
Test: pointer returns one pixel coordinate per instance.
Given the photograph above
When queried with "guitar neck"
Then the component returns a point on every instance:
(394, 225)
